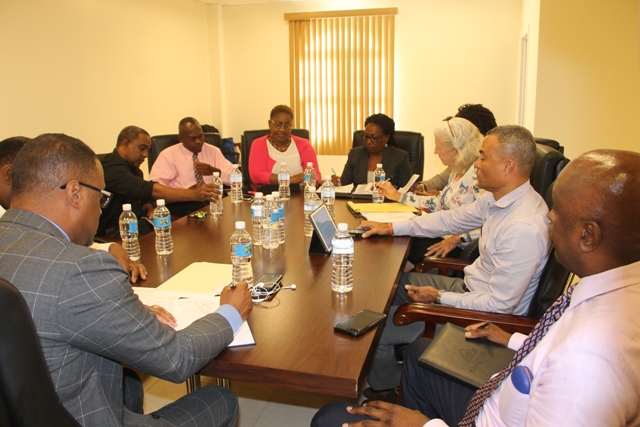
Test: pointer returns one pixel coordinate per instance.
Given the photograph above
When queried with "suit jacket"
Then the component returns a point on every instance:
(395, 163)
(89, 322)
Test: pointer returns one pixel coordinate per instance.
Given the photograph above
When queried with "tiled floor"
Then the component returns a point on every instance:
(260, 406)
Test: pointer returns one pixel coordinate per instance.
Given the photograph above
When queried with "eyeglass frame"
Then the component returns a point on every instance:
(446, 119)
(105, 193)
(373, 139)
(285, 126)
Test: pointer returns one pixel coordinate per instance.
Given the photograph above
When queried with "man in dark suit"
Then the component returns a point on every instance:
(88, 320)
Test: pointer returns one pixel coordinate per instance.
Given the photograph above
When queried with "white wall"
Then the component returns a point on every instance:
(90, 67)
(447, 53)
(588, 90)
(530, 28)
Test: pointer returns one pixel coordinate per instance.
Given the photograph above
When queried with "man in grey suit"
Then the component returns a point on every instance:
(88, 320)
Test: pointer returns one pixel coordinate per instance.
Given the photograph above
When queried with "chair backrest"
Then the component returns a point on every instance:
(101, 156)
(411, 142)
(27, 395)
(548, 164)
(552, 283)
(245, 148)
(551, 143)
(160, 142)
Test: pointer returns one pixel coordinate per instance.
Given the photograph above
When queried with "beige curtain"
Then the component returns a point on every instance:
(341, 71)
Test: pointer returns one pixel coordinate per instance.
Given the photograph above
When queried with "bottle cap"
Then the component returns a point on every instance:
(283, 163)
(258, 195)
(312, 189)
(343, 226)
(240, 225)
(269, 198)
(275, 194)
(126, 207)
(309, 164)
(379, 165)
(160, 202)
(216, 174)
(326, 178)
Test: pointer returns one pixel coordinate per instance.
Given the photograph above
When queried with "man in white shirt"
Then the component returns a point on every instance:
(585, 369)
(514, 247)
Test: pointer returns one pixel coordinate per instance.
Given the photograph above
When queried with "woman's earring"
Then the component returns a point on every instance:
(386, 145)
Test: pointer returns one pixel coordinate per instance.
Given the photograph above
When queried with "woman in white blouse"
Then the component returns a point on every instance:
(457, 143)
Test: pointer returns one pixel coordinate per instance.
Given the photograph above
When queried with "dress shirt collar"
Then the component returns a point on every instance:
(510, 197)
(607, 281)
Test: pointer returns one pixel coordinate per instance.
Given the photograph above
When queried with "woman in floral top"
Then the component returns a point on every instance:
(457, 143)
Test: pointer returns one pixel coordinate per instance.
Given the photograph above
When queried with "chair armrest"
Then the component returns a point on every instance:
(418, 312)
(442, 264)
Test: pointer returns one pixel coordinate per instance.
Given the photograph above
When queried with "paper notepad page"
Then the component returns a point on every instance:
(381, 207)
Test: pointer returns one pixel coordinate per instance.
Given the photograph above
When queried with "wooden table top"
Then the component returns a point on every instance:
(296, 346)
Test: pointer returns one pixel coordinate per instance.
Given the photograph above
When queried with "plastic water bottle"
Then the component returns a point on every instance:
(257, 218)
(215, 208)
(311, 203)
(328, 194)
(280, 204)
(162, 225)
(342, 258)
(310, 176)
(270, 234)
(284, 179)
(378, 175)
(241, 251)
(235, 179)
(129, 232)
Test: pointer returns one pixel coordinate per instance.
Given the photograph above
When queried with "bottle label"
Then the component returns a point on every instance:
(281, 211)
(342, 247)
(235, 177)
(328, 192)
(283, 176)
(256, 211)
(307, 177)
(133, 227)
(274, 217)
(162, 222)
(382, 177)
(242, 250)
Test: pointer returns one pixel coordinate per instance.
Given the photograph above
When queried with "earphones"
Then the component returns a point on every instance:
(260, 293)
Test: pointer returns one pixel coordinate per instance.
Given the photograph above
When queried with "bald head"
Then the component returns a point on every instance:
(597, 196)
(190, 134)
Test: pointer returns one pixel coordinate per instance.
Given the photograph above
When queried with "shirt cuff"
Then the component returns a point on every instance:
(435, 423)
(403, 198)
(450, 298)
(230, 313)
(516, 340)
(101, 246)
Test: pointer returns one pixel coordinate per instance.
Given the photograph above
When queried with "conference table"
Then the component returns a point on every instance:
(296, 346)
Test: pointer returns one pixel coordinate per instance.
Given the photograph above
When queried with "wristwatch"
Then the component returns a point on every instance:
(439, 297)
(463, 238)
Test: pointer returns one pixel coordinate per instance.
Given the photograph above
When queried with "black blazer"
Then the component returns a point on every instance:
(395, 163)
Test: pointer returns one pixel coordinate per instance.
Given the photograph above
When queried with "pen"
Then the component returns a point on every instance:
(483, 326)
(334, 171)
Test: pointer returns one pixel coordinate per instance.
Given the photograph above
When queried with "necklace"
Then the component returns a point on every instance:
(282, 150)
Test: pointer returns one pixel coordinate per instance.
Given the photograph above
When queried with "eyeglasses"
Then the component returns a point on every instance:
(106, 196)
(372, 138)
(286, 126)
(453, 136)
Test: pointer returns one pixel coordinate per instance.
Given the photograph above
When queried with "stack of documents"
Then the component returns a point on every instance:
(383, 212)
(188, 297)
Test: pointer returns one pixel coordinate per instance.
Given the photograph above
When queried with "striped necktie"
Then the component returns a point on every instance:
(550, 317)
(199, 179)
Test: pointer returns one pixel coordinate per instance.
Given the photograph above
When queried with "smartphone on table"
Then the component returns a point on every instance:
(360, 323)
(269, 281)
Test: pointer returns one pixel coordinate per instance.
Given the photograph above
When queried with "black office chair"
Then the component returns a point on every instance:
(245, 148)
(160, 142)
(411, 142)
(551, 143)
(28, 398)
(101, 156)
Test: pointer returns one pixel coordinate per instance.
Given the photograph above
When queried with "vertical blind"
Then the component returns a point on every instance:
(341, 71)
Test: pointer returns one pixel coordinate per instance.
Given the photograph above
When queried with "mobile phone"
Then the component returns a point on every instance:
(360, 323)
(357, 231)
(268, 281)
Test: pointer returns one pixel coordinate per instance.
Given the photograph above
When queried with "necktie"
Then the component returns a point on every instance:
(199, 179)
(550, 317)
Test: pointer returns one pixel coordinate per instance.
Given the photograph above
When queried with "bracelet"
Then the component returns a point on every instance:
(439, 297)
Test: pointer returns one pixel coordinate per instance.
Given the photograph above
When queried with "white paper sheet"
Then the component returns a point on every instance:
(188, 297)
(407, 187)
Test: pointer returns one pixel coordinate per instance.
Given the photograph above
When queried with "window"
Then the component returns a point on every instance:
(341, 71)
